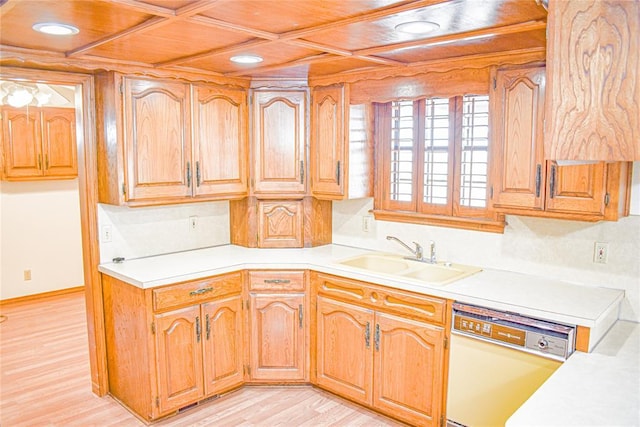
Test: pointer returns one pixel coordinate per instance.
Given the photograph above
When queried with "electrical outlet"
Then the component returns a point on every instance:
(193, 223)
(366, 223)
(106, 234)
(601, 252)
(27, 275)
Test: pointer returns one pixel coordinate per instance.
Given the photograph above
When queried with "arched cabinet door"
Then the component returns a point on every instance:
(279, 140)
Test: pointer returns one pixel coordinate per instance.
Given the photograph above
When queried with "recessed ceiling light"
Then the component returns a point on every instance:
(246, 59)
(56, 29)
(417, 27)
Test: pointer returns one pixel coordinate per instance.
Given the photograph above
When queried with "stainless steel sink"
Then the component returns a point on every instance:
(434, 274)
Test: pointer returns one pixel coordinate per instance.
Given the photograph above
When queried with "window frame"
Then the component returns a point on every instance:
(451, 214)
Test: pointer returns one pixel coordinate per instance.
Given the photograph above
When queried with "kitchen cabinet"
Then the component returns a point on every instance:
(382, 348)
(524, 183)
(39, 143)
(279, 142)
(172, 346)
(593, 58)
(278, 223)
(341, 143)
(278, 326)
(168, 141)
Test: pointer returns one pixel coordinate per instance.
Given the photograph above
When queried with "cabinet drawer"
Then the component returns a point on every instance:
(276, 280)
(400, 302)
(197, 291)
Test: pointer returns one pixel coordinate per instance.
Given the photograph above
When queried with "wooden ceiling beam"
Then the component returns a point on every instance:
(458, 37)
(150, 24)
(218, 23)
(145, 7)
(220, 51)
(363, 17)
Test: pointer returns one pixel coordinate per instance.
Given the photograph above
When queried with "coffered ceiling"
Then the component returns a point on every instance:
(295, 38)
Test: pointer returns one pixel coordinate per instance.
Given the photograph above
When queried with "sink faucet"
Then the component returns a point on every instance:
(418, 252)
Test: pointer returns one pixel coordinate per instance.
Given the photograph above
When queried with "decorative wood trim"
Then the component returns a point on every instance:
(492, 226)
(520, 56)
(27, 298)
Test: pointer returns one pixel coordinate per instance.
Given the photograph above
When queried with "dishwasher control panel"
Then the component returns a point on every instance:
(514, 330)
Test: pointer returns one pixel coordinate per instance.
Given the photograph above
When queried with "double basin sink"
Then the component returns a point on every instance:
(437, 274)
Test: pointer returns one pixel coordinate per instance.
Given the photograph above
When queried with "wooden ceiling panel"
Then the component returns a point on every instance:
(526, 40)
(452, 17)
(273, 54)
(339, 66)
(169, 4)
(176, 40)
(288, 15)
(94, 20)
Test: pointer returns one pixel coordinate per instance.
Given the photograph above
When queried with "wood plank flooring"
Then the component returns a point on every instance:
(45, 381)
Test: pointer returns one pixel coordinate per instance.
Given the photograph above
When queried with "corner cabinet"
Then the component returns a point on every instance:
(167, 141)
(593, 55)
(39, 143)
(172, 346)
(524, 183)
(342, 145)
(383, 348)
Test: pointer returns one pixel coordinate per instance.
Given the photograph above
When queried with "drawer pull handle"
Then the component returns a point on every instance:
(376, 339)
(277, 281)
(300, 316)
(200, 291)
(367, 335)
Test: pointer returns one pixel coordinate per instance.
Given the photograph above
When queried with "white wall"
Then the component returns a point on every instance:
(40, 230)
(140, 232)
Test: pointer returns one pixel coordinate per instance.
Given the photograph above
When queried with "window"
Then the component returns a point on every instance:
(433, 161)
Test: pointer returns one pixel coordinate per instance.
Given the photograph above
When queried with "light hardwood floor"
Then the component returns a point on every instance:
(44, 381)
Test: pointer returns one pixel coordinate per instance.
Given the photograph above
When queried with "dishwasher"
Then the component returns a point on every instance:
(497, 360)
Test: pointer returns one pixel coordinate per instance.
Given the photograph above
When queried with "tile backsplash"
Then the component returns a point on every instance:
(140, 232)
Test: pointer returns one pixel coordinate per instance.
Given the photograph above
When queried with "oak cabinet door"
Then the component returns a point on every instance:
(279, 131)
(408, 369)
(223, 348)
(157, 139)
(278, 338)
(59, 142)
(576, 188)
(21, 135)
(518, 103)
(593, 107)
(328, 142)
(280, 224)
(344, 345)
(220, 141)
(179, 357)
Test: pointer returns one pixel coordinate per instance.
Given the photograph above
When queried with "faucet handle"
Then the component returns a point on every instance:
(419, 250)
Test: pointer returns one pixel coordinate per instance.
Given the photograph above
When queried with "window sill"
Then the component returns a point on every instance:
(479, 224)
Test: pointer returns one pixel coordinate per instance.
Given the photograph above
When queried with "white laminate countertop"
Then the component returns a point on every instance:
(524, 294)
(601, 388)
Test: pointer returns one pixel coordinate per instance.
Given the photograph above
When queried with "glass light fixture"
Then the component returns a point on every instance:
(55, 29)
(246, 59)
(417, 27)
(19, 96)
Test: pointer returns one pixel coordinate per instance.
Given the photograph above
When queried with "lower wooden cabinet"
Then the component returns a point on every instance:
(278, 327)
(172, 346)
(390, 360)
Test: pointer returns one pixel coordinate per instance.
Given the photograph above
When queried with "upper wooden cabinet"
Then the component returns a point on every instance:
(341, 144)
(593, 59)
(166, 141)
(39, 143)
(279, 142)
(523, 182)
